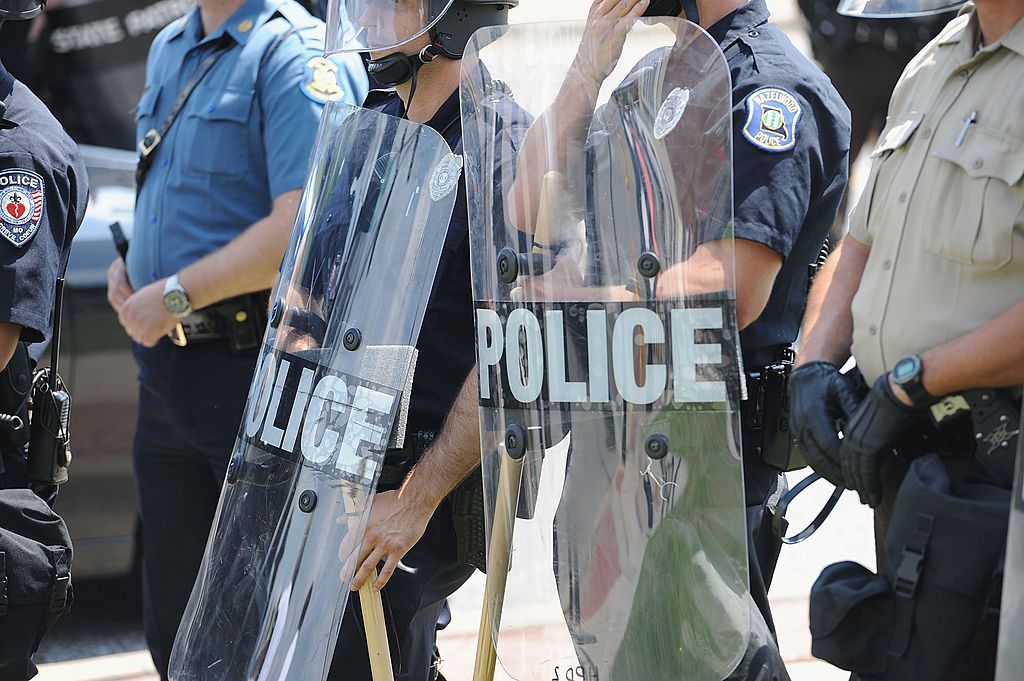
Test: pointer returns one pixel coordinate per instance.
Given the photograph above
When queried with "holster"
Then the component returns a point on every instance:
(15, 386)
(765, 414)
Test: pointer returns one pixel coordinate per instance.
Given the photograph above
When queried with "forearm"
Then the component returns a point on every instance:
(453, 455)
(248, 263)
(9, 335)
(991, 356)
(828, 319)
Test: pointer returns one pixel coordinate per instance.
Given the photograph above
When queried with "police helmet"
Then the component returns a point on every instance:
(13, 10)
(459, 20)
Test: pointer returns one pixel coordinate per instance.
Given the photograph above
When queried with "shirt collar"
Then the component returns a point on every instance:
(970, 33)
(387, 101)
(737, 23)
(240, 25)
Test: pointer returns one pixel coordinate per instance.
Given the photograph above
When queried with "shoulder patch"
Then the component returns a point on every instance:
(772, 117)
(22, 198)
(320, 82)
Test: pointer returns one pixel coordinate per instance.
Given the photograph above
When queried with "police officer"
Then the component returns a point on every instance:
(226, 123)
(789, 179)
(412, 518)
(43, 194)
(925, 290)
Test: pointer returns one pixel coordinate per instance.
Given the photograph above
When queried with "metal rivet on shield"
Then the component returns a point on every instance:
(515, 441)
(307, 501)
(352, 339)
(508, 265)
(234, 468)
(648, 265)
(276, 313)
(656, 446)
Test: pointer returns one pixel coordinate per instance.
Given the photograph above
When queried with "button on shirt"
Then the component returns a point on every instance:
(943, 209)
(243, 138)
(43, 195)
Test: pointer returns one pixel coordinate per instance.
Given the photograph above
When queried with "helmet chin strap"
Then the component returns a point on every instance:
(398, 68)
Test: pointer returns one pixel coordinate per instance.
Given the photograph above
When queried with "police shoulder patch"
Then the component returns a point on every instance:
(772, 117)
(22, 199)
(320, 82)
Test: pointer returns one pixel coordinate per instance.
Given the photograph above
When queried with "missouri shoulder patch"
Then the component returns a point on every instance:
(22, 198)
(772, 117)
(320, 82)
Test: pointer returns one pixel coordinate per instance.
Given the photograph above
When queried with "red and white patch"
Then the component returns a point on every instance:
(22, 199)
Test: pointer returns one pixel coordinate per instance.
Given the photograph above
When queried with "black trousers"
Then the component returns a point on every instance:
(191, 402)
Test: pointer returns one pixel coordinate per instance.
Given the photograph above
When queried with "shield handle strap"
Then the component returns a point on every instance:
(499, 554)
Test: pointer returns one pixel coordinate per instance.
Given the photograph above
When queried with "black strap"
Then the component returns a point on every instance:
(905, 582)
(151, 140)
(780, 510)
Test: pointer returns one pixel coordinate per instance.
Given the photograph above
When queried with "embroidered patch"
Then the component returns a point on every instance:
(445, 177)
(772, 117)
(671, 111)
(22, 199)
(320, 82)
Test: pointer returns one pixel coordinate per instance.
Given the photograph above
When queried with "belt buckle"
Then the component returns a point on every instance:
(148, 143)
(177, 336)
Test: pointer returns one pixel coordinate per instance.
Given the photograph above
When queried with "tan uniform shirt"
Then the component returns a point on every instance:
(943, 209)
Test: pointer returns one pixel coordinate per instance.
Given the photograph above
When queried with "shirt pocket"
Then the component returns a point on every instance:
(145, 109)
(897, 132)
(222, 135)
(985, 194)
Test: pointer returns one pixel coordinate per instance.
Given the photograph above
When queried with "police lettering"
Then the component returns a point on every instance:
(330, 420)
(25, 180)
(533, 349)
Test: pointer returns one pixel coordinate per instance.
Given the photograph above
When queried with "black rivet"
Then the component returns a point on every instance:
(234, 468)
(656, 446)
(353, 337)
(508, 265)
(648, 265)
(515, 441)
(307, 501)
(276, 313)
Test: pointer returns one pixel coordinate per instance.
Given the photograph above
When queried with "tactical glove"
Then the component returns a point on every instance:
(870, 435)
(819, 398)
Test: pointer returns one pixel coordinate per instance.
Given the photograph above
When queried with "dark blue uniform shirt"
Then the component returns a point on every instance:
(43, 194)
(788, 199)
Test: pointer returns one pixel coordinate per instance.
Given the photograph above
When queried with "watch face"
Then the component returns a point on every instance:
(176, 302)
(905, 368)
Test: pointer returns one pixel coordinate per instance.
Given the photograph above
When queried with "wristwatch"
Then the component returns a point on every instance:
(176, 298)
(908, 374)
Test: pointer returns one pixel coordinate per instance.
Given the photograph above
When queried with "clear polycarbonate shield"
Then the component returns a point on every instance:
(1010, 663)
(379, 25)
(897, 9)
(609, 377)
(327, 401)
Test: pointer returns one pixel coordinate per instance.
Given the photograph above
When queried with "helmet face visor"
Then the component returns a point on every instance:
(379, 25)
(897, 9)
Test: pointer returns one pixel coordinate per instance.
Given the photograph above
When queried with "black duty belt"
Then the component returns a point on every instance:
(240, 320)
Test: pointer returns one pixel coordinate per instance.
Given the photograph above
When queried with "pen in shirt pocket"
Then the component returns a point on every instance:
(968, 122)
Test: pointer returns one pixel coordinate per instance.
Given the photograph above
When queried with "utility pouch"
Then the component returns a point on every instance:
(245, 319)
(467, 503)
(767, 414)
(931, 612)
(15, 384)
(49, 450)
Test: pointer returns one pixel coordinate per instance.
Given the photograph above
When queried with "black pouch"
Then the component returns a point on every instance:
(467, 503)
(35, 578)
(245, 318)
(931, 612)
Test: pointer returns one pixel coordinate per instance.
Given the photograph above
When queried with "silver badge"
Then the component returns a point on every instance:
(446, 176)
(671, 111)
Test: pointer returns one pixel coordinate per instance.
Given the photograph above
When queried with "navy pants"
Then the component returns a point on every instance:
(191, 402)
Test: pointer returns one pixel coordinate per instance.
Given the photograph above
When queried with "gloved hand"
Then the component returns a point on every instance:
(819, 396)
(869, 436)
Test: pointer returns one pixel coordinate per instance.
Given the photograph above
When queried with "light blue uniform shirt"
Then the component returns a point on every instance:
(244, 137)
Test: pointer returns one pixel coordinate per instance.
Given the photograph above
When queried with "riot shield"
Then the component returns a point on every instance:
(1010, 663)
(326, 403)
(609, 367)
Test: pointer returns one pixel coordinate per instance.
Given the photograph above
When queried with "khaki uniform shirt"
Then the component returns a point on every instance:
(942, 209)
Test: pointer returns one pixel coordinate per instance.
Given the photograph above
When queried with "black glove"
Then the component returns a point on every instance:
(870, 435)
(819, 396)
